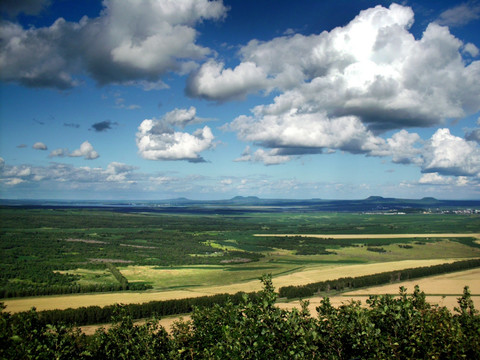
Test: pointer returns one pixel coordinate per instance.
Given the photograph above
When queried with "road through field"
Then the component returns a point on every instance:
(310, 274)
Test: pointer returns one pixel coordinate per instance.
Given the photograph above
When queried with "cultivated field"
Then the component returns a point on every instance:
(302, 277)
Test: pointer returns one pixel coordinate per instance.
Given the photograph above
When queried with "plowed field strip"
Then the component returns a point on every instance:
(374, 236)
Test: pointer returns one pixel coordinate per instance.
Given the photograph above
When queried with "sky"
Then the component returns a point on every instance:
(160, 99)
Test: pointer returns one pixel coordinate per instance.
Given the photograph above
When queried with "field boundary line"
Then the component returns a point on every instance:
(374, 236)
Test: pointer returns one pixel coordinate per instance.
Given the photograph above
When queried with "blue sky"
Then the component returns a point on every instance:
(158, 99)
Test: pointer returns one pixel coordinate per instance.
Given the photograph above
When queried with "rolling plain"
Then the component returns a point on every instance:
(57, 258)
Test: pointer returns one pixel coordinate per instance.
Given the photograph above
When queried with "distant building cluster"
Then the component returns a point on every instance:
(384, 212)
(457, 211)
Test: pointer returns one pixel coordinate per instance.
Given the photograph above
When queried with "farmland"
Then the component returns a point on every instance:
(443, 290)
(83, 256)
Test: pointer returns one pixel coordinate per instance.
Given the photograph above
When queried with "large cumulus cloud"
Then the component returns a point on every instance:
(373, 68)
(131, 41)
(305, 132)
(343, 89)
(157, 139)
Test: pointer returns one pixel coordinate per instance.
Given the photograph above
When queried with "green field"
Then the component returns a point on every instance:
(58, 251)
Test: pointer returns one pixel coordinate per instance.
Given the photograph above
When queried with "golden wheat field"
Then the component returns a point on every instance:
(443, 290)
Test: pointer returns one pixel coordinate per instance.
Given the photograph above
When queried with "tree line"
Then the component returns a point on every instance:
(122, 280)
(308, 290)
(88, 315)
(402, 327)
(22, 290)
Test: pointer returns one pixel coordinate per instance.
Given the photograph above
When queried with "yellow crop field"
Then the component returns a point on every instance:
(446, 284)
(102, 299)
(443, 290)
(336, 271)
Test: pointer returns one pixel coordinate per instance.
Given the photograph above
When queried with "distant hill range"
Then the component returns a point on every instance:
(376, 201)
(256, 204)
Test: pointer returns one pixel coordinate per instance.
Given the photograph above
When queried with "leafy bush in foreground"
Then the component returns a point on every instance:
(403, 327)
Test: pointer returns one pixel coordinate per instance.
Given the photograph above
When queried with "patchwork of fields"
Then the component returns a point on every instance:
(66, 253)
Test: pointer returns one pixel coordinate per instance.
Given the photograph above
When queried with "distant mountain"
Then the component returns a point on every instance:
(429, 199)
(374, 198)
(245, 199)
(256, 204)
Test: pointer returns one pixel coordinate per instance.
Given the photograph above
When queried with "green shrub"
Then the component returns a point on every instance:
(402, 327)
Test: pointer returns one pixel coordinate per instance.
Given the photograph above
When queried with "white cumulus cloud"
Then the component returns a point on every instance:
(158, 140)
(119, 172)
(59, 152)
(212, 81)
(86, 151)
(342, 89)
(306, 133)
(471, 49)
(39, 146)
(183, 117)
(372, 68)
(403, 147)
(436, 179)
(451, 155)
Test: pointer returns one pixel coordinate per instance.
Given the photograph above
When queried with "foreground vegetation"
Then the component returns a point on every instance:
(402, 327)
